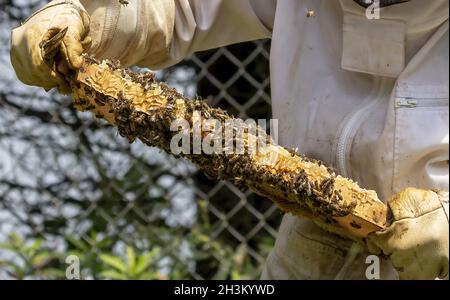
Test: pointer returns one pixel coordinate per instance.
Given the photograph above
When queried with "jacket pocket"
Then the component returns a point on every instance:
(421, 155)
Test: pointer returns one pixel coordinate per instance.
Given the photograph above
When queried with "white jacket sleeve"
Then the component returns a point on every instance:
(160, 33)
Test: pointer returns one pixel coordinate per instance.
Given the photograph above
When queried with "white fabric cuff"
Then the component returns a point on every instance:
(74, 3)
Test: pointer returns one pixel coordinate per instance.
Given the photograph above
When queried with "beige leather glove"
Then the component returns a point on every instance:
(417, 240)
(48, 70)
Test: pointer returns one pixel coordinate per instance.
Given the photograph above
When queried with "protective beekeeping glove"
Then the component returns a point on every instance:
(46, 69)
(417, 240)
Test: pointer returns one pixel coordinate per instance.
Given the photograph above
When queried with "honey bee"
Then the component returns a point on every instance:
(338, 196)
(206, 114)
(99, 101)
(327, 186)
(308, 189)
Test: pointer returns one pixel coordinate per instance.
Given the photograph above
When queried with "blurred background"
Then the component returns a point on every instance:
(70, 185)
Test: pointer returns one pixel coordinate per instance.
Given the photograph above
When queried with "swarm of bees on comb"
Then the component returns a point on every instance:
(142, 108)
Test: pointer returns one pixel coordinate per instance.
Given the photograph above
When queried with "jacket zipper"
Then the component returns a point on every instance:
(352, 123)
(406, 102)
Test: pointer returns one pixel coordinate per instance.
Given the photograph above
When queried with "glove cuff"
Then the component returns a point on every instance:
(413, 203)
(443, 198)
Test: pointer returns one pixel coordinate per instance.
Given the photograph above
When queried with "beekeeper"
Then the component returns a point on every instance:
(365, 92)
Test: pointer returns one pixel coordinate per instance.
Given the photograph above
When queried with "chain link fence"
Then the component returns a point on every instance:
(69, 185)
(240, 217)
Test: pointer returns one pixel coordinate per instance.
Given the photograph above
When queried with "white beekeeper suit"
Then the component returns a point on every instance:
(367, 96)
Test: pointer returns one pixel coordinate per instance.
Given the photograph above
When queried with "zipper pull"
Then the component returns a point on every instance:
(405, 102)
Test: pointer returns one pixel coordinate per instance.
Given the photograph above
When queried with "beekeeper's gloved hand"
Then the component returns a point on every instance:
(27, 57)
(417, 240)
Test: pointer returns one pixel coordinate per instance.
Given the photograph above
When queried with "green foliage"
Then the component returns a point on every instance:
(133, 267)
(30, 260)
(36, 259)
